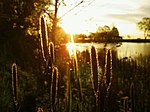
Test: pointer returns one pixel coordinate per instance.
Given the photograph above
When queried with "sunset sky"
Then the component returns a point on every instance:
(91, 14)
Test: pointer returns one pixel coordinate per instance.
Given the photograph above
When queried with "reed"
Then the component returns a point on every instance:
(132, 95)
(94, 76)
(78, 79)
(68, 89)
(15, 83)
(94, 69)
(51, 52)
(54, 88)
(87, 56)
(44, 39)
(50, 66)
(50, 72)
(109, 70)
(105, 68)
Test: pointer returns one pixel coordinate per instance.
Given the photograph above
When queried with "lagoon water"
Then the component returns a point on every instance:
(125, 49)
(134, 50)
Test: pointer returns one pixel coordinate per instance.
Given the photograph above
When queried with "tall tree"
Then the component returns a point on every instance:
(144, 25)
(19, 27)
(115, 32)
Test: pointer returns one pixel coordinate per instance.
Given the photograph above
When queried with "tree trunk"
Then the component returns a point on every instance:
(145, 35)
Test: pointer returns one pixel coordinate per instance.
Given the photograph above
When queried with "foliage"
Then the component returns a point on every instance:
(105, 33)
(144, 25)
(18, 31)
(79, 37)
(41, 85)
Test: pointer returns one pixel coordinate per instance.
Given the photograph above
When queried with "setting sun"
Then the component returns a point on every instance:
(76, 24)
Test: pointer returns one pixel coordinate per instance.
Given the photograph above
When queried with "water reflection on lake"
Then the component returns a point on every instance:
(133, 49)
(130, 50)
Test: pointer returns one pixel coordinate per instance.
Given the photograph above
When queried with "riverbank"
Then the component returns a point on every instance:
(135, 40)
(115, 41)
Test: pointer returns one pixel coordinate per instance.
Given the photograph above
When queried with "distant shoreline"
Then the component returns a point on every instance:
(135, 40)
(115, 41)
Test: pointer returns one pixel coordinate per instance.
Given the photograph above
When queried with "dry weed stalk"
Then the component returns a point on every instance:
(15, 83)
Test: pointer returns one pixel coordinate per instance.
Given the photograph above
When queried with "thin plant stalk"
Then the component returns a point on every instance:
(44, 39)
(132, 97)
(94, 69)
(78, 80)
(51, 48)
(94, 73)
(15, 84)
(54, 88)
(68, 96)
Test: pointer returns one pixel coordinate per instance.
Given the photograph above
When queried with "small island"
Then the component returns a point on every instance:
(105, 34)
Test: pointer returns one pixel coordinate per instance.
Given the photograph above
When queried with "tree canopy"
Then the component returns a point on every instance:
(19, 20)
(105, 32)
(144, 25)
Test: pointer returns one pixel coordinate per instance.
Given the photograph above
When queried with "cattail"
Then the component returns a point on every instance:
(54, 86)
(87, 56)
(105, 67)
(44, 39)
(94, 69)
(132, 95)
(77, 77)
(51, 48)
(15, 82)
(68, 91)
(108, 68)
(107, 77)
(49, 74)
(110, 75)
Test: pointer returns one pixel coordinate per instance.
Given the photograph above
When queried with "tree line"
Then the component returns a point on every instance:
(103, 33)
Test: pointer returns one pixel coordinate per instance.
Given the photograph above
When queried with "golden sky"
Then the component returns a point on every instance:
(91, 14)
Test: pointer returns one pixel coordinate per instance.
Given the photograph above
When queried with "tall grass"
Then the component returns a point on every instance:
(94, 70)
(117, 84)
(15, 83)
(44, 39)
(54, 88)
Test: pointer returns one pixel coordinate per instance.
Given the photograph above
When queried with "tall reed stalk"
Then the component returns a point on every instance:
(94, 73)
(51, 52)
(68, 91)
(78, 79)
(54, 88)
(132, 95)
(105, 81)
(44, 39)
(109, 74)
(51, 71)
(15, 84)
(94, 69)
(48, 57)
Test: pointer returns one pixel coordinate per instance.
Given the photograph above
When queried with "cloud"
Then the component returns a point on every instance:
(139, 10)
(128, 17)
(145, 10)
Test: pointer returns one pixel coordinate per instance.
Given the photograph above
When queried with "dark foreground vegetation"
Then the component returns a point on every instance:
(37, 75)
(88, 81)
(83, 84)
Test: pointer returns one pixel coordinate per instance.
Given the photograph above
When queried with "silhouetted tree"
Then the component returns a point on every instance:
(144, 25)
(115, 32)
(106, 33)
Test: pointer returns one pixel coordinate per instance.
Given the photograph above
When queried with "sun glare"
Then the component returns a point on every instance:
(72, 49)
(71, 24)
